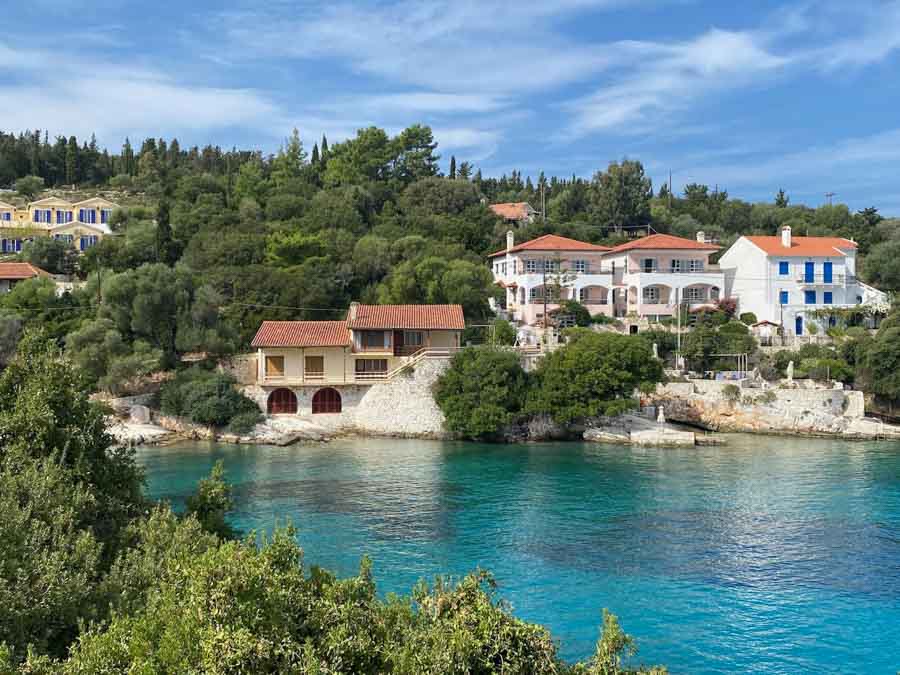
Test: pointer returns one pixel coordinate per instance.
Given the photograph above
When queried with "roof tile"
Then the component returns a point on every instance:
(20, 270)
(415, 317)
(302, 334)
(554, 242)
(512, 210)
(664, 242)
(803, 246)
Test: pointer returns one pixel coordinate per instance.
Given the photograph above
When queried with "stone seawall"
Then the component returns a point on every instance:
(793, 409)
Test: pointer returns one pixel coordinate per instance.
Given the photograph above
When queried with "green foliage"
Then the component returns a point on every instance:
(881, 267)
(882, 360)
(701, 345)
(593, 374)
(482, 391)
(576, 310)
(205, 397)
(748, 318)
(29, 186)
(620, 196)
(243, 423)
(731, 393)
(211, 502)
(47, 253)
(503, 333)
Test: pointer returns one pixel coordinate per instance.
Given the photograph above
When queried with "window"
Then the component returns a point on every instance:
(10, 245)
(784, 268)
(580, 266)
(696, 265)
(678, 266)
(68, 238)
(6, 216)
(63, 217)
(533, 266)
(373, 339)
(582, 295)
(86, 242)
(648, 265)
(314, 366)
(534, 294)
(503, 269)
(694, 294)
(42, 216)
(827, 298)
(104, 215)
(274, 366)
(413, 338)
(809, 297)
(371, 366)
(651, 295)
(783, 298)
(87, 216)
(551, 265)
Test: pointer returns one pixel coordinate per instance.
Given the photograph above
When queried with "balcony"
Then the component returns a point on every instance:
(706, 269)
(820, 279)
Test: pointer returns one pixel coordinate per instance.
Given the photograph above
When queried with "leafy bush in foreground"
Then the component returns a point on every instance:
(206, 397)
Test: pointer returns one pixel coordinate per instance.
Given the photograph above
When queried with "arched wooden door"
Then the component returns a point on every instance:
(326, 400)
(282, 401)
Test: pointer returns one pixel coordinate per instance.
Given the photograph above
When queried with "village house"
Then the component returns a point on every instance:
(518, 213)
(312, 367)
(79, 224)
(12, 273)
(655, 274)
(782, 279)
(646, 277)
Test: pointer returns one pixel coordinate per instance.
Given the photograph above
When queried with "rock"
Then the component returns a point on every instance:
(663, 436)
(606, 436)
(139, 414)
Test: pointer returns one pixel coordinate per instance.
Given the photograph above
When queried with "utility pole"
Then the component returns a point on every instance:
(670, 189)
(828, 196)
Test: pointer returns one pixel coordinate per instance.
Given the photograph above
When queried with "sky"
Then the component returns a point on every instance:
(750, 96)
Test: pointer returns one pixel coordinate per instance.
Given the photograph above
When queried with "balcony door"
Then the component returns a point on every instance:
(809, 272)
(827, 272)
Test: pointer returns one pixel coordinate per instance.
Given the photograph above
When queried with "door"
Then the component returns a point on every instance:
(798, 325)
(809, 272)
(398, 343)
(314, 367)
(827, 272)
(282, 402)
(326, 400)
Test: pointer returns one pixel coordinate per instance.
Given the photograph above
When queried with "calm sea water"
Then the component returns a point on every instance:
(768, 555)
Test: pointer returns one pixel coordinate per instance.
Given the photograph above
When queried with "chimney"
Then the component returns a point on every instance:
(701, 236)
(786, 236)
(510, 240)
(354, 306)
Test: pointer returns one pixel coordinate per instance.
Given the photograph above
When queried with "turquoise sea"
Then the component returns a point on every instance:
(770, 555)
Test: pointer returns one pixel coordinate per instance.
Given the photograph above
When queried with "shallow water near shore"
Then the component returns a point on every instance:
(778, 555)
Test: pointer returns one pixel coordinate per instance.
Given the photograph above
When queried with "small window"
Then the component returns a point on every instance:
(582, 295)
(533, 266)
(648, 265)
(678, 266)
(651, 295)
(696, 265)
(314, 365)
(580, 266)
(783, 297)
(693, 294)
(551, 265)
(809, 297)
(827, 298)
(413, 338)
(535, 294)
(366, 366)
(784, 268)
(274, 366)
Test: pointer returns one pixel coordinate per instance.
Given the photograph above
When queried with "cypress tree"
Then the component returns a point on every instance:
(452, 167)
(324, 149)
(164, 248)
(71, 161)
(314, 157)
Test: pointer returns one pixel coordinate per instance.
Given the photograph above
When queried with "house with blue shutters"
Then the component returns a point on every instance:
(80, 224)
(784, 278)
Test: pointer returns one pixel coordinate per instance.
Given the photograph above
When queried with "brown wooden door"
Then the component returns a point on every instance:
(326, 400)
(398, 343)
(282, 401)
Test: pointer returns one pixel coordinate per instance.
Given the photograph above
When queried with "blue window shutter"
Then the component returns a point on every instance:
(828, 299)
(784, 268)
(783, 298)
(827, 272)
(810, 297)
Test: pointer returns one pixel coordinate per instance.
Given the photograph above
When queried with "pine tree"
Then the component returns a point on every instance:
(464, 172)
(128, 158)
(164, 243)
(314, 157)
(452, 167)
(781, 199)
(324, 149)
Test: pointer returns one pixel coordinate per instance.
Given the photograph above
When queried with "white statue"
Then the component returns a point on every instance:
(661, 416)
(655, 351)
(790, 371)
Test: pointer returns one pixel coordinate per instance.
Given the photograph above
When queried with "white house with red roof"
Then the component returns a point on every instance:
(12, 273)
(783, 278)
(535, 271)
(320, 366)
(653, 274)
(645, 277)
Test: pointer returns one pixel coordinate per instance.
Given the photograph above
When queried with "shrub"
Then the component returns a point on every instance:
(731, 393)
(482, 391)
(504, 333)
(205, 397)
(593, 374)
(243, 423)
(576, 310)
(748, 318)
(666, 342)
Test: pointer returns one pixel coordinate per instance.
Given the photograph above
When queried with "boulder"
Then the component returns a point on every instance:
(139, 414)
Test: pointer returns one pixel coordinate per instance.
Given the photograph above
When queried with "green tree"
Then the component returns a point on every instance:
(30, 186)
(782, 200)
(288, 163)
(212, 501)
(593, 374)
(46, 253)
(881, 267)
(72, 161)
(452, 174)
(482, 391)
(93, 345)
(620, 196)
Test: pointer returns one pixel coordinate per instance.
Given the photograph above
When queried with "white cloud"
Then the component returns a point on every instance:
(671, 77)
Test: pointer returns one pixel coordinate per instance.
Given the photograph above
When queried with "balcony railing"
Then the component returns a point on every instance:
(710, 269)
(820, 278)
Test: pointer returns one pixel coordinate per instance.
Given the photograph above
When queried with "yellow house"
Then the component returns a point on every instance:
(314, 366)
(81, 224)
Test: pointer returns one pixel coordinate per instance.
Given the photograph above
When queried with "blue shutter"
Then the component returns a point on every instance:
(783, 297)
(810, 272)
(810, 297)
(828, 299)
(827, 272)
(798, 325)
(784, 268)
(18, 244)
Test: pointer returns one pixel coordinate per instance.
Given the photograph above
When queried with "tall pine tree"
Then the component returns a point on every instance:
(452, 167)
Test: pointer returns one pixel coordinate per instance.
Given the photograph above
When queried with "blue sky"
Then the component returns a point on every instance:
(752, 96)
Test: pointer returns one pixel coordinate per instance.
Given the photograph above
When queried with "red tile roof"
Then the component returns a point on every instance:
(553, 242)
(512, 210)
(415, 317)
(18, 270)
(664, 242)
(302, 334)
(803, 246)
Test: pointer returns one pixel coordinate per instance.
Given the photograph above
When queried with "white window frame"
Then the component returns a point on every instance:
(696, 265)
(580, 266)
(582, 295)
(654, 265)
(551, 265)
(533, 294)
(533, 266)
(694, 294)
(678, 265)
(651, 295)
